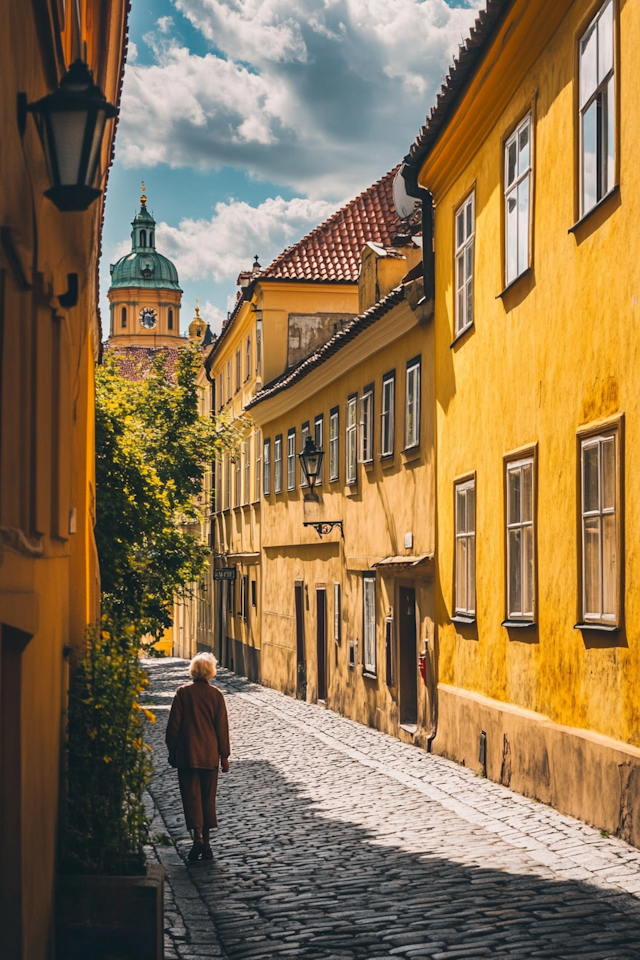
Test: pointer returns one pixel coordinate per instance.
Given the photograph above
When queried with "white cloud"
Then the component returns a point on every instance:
(213, 315)
(323, 95)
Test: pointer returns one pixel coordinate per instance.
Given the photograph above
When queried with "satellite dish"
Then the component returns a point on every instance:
(404, 204)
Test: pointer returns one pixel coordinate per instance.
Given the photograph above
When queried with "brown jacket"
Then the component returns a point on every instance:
(198, 729)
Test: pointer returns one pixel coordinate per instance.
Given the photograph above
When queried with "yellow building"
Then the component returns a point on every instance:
(529, 156)
(49, 342)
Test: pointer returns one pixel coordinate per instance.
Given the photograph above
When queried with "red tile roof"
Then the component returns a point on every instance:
(332, 251)
(134, 363)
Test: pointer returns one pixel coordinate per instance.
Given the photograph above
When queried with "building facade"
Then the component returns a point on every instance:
(49, 343)
(529, 156)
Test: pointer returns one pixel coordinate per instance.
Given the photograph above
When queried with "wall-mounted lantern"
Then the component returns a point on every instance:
(71, 124)
(311, 459)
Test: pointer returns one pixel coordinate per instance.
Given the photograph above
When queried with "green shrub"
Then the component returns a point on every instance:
(108, 761)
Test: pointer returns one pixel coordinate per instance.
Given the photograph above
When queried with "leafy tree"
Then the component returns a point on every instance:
(152, 450)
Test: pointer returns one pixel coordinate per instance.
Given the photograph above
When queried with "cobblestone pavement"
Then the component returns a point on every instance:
(338, 842)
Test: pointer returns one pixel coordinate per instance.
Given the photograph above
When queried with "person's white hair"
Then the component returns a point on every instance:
(203, 666)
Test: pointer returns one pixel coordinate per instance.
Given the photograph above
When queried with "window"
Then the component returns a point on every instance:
(151, 238)
(387, 414)
(143, 238)
(412, 405)
(366, 425)
(517, 200)
(336, 612)
(319, 438)
(597, 110)
(228, 380)
(291, 459)
(236, 493)
(123, 318)
(245, 598)
(254, 593)
(170, 320)
(304, 433)
(238, 373)
(277, 457)
(600, 528)
(465, 587)
(247, 470)
(334, 444)
(266, 468)
(520, 540)
(248, 358)
(465, 235)
(258, 345)
(390, 659)
(351, 439)
(227, 482)
(221, 390)
(369, 624)
(258, 465)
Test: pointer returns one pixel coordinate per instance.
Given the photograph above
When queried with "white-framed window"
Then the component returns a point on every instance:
(599, 470)
(351, 439)
(266, 467)
(597, 109)
(217, 486)
(277, 463)
(412, 404)
(517, 200)
(465, 237)
(366, 425)
(258, 480)
(304, 433)
(369, 623)
(319, 438)
(238, 370)
(247, 470)
(334, 444)
(248, 364)
(258, 346)
(291, 459)
(229, 390)
(221, 389)
(238, 481)
(336, 612)
(387, 418)
(520, 540)
(465, 580)
(227, 481)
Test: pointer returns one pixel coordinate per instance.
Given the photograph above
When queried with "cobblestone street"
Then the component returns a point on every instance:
(338, 842)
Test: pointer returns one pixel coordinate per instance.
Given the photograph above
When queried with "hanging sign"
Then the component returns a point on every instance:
(224, 573)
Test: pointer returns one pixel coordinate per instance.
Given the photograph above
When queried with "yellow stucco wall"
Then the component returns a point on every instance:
(557, 352)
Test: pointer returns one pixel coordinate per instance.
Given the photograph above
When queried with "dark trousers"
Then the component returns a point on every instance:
(198, 791)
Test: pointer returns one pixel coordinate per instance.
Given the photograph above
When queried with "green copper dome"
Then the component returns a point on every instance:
(144, 267)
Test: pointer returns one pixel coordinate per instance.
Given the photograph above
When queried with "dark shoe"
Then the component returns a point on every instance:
(207, 853)
(196, 850)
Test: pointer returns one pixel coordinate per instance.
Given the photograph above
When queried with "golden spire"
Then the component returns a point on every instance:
(197, 316)
(143, 198)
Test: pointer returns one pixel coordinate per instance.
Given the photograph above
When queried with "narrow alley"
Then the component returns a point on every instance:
(338, 842)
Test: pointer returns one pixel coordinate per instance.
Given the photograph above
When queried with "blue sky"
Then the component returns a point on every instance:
(250, 121)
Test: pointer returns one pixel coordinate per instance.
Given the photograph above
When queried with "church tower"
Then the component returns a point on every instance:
(144, 294)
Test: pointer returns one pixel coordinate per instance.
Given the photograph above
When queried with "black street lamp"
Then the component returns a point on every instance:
(311, 459)
(71, 124)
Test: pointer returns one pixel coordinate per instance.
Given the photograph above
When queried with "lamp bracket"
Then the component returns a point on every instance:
(323, 527)
(70, 298)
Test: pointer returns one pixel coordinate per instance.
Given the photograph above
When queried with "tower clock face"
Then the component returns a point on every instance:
(148, 318)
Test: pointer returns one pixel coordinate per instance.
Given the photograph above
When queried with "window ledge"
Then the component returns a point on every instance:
(601, 627)
(614, 190)
(462, 334)
(460, 618)
(411, 453)
(411, 728)
(368, 465)
(510, 286)
(519, 624)
(369, 676)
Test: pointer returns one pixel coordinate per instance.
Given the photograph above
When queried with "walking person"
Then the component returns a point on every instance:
(198, 741)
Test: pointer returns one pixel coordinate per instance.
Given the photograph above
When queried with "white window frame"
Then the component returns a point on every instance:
(465, 551)
(599, 100)
(229, 384)
(238, 369)
(465, 233)
(304, 433)
(248, 358)
(291, 459)
(369, 645)
(221, 388)
(278, 466)
(599, 515)
(351, 440)
(387, 414)
(266, 467)
(258, 476)
(318, 430)
(514, 192)
(412, 404)
(366, 425)
(227, 481)
(336, 612)
(237, 493)
(524, 526)
(247, 472)
(334, 444)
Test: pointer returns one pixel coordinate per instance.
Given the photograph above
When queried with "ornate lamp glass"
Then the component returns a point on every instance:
(71, 124)
(311, 459)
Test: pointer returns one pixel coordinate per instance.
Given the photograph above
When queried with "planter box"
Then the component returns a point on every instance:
(110, 918)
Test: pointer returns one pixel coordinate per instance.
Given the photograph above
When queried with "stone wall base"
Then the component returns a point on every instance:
(580, 773)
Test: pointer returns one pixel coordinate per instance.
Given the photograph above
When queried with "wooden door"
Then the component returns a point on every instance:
(321, 641)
